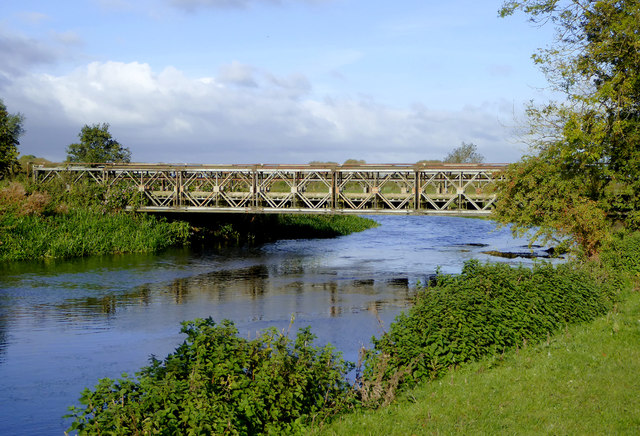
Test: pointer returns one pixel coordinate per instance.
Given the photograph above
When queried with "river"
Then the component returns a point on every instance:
(65, 324)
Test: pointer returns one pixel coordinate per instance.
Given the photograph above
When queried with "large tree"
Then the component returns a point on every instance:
(10, 131)
(96, 146)
(586, 147)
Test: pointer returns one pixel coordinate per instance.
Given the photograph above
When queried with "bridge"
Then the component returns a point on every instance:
(418, 189)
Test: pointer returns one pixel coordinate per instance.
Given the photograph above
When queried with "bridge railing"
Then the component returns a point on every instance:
(330, 188)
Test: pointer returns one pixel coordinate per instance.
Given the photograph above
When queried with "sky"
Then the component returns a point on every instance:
(271, 81)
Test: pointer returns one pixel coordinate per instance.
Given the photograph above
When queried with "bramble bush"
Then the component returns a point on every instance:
(219, 383)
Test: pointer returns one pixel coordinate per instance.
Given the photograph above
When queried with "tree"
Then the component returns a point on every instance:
(589, 142)
(10, 131)
(466, 153)
(97, 146)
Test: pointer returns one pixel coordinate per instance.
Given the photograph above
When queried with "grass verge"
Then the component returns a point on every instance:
(583, 380)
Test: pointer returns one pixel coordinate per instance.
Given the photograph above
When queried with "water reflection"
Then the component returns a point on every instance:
(243, 287)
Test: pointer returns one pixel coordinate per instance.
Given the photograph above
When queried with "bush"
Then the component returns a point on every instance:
(485, 310)
(219, 383)
(14, 198)
(622, 253)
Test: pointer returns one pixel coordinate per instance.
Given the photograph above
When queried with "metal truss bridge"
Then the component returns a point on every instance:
(442, 189)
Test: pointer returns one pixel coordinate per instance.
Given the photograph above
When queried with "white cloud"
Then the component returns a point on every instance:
(238, 74)
(169, 117)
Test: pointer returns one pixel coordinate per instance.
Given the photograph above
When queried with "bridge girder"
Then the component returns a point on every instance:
(446, 189)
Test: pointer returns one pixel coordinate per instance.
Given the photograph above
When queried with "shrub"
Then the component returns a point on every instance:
(485, 310)
(12, 196)
(219, 383)
(36, 204)
(622, 253)
(15, 198)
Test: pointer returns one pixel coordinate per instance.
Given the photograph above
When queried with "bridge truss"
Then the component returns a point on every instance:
(458, 189)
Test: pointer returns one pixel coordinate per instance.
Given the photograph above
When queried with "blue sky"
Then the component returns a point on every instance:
(270, 81)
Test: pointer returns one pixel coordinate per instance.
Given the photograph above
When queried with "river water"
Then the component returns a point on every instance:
(65, 324)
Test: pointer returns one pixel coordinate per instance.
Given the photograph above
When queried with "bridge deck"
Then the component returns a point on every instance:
(361, 189)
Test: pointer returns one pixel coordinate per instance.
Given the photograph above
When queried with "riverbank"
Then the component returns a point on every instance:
(583, 380)
(482, 316)
(70, 322)
(63, 224)
(238, 229)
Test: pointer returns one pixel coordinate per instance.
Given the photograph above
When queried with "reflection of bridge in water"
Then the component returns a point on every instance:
(320, 189)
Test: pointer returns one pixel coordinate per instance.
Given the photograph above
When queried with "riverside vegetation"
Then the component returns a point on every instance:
(217, 382)
(53, 221)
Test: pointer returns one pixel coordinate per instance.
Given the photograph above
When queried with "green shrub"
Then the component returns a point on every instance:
(219, 383)
(485, 310)
(622, 253)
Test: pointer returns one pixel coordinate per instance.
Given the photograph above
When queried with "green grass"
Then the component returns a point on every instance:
(584, 380)
(238, 229)
(85, 232)
(323, 225)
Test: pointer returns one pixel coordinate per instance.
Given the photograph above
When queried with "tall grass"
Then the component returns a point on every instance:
(319, 226)
(252, 229)
(84, 232)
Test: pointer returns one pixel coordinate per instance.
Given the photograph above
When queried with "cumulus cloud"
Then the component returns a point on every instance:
(242, 115)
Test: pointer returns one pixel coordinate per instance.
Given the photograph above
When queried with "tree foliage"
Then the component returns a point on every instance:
(536, 193)
(588, 144)
(10, 131)
(465, 153)
(97, 145)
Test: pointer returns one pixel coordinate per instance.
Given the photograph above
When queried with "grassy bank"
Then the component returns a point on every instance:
(88, 220)
(85, 232)
(472, 356)
(583, 380)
